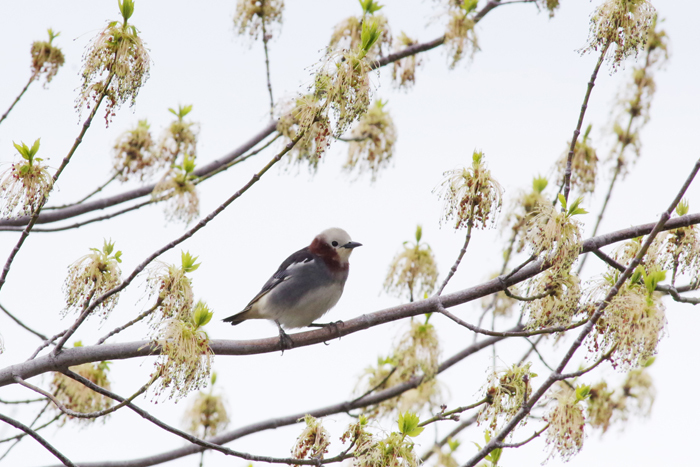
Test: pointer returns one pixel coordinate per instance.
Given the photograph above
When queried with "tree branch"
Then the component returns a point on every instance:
(555, 376)
(40, 440)
(79, 355)
(16, 320)
(216, 441)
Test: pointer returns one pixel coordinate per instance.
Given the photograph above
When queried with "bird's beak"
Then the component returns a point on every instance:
(351, 245)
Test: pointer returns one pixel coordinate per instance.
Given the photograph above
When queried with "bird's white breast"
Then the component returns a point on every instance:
(308, 309)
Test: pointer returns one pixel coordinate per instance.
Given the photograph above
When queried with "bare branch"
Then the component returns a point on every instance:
(16, 320)
(98, 414)
(577, 131)
(555, 376)
(523, 443)
(79, 355)
(26, 86)
(36, 436)
(216, 441)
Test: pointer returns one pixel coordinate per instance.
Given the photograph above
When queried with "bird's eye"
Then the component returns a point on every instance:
(334, 243)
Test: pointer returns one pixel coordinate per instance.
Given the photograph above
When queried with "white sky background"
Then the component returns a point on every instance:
(518, 101)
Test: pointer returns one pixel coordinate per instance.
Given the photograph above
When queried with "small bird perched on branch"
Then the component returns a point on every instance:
(306, 285)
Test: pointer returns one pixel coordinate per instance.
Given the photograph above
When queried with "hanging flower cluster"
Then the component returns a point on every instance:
(116, 65)
(25, 186)
(372, 141)
(91, 276)
(472, 196)
(178, 191)
(506, 390)
(46, 58)
(347, 35)
(252, 17)
(403, 73)
(624, 23)
(207, 415)
(77, 397)
(184, 364)
(416, 354)
(460, 37)
(412, 271)
(339, 96)
(584, 165)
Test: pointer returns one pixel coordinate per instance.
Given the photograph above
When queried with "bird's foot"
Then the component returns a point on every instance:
(285, 341)
(333, 325)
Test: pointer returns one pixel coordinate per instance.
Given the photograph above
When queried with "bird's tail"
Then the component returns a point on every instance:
(238, 318)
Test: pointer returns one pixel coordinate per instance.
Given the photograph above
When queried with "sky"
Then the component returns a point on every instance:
(517, 100)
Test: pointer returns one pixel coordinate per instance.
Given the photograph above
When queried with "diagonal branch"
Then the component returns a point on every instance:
(556, 375)
(36, 436)
(16, 320)
(216, 441)
(79, 355)
(62, 214)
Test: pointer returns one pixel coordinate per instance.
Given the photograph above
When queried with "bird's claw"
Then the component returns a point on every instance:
(333, 325)
(285, 341)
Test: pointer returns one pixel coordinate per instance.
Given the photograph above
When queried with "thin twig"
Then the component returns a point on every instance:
(25, 401)
(462, 425)
(85, 312)
(577, 131)
(89, 195)
(132, 322)
(453, 269)
(523, 443)
(592, 367)
(59, 215)
(64, 163)
(45, 344)
(214, 442)
(449, 415)
(381, 383)
(265, 39)
(40, 440)
(551, 330)
(256, 177)
(16, 320)
(555, 376)
(100, 413)
(26, 86)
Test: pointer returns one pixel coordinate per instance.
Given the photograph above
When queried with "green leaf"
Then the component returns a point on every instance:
(652, 279)
(539, 184)
(582, 392)
(408, 424)
(126, 7)
(189, 262)
(188, 164)
(118, 256)
(649, 362)
(419, 233)
(453, 444)
(637, 274)
(202, 314)
(469, 5)
(370, 6)
(370, 34)
(35, 148)
(108, 247)
(683, 207)
(562, 201)
(587, 132)
(574, 209)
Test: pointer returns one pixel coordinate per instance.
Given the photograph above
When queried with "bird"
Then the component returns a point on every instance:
(306, 285)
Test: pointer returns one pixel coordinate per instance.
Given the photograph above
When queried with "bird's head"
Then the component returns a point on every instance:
(333, 244)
